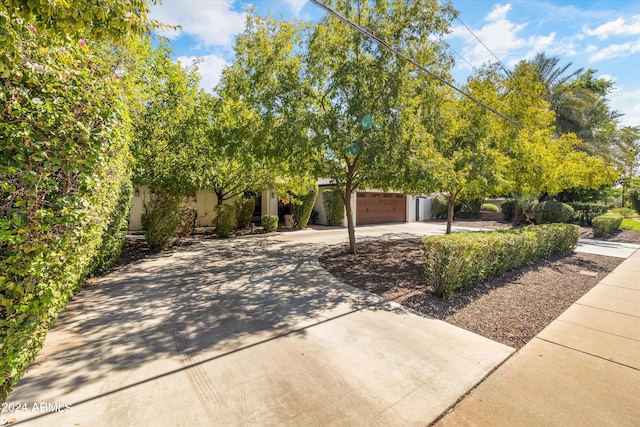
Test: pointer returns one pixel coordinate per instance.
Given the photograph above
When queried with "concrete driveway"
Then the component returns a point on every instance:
(250, 331)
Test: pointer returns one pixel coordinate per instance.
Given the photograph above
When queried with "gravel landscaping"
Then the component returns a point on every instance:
(510, 309)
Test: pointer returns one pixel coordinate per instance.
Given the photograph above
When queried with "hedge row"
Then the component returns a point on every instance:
(606, 224)
(63, 185)
(583, 213)
(458, 260)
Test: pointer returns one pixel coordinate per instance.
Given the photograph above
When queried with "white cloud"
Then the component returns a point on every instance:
(613, 51)
(296, 6)
(501, 36)
(618, 27)
(628, 103)
(209, 68)
(211, 23)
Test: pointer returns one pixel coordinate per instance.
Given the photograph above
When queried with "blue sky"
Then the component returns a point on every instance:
(599, 34)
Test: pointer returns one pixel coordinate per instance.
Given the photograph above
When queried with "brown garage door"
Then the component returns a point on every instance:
(376, 208)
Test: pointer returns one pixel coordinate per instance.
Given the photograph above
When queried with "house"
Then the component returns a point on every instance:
(370, 206)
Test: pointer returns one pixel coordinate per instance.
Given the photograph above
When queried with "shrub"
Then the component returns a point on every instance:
(225, 219)
(161, 219)
(634, 198)
(458, 260)
(439, 207)
(508, 208)
(302, 211)
(313, 219)
(552, 212)
(64, 133)
(606, 224)
(489, 207)
(583, 213)
(116, 232)
(625, 212)
(270, 222)
(188, 218)
(244, 208)
(333, 206)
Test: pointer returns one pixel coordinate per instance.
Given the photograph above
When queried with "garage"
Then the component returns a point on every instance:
(377, 208)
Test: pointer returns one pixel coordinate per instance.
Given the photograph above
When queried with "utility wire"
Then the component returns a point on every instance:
(485, 46)
(410, 60)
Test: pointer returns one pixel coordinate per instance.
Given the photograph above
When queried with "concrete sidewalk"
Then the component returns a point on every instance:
(582, 370)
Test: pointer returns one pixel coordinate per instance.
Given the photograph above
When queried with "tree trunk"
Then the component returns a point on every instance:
(451, 204)
(350, 225)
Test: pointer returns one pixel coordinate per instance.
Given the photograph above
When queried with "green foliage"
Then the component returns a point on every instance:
(508, 208)
(455, 261)
(244, 211)
(225, 219)
(439, 207)
(583, 213)
(115, 234)
(625, 212)
(606, 224)
(489, 207)
(188, 219)
(64, 132)
(333, 206)
(628, 224)
(313, 219)
(634, 198)
(552, 212)
(161, 219)
(270, 222)
(302, 211)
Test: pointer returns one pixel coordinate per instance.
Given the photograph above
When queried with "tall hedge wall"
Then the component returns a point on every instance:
(63, 185)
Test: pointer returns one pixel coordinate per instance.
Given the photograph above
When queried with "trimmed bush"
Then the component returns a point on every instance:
(333, 206)
(508, 208)
(116, 231)
(439, 207)
(244, 211)
(270, 222)
(188, 219)
(634, 199)
(302, 211)
(551, 211)
(606, 224)
(458, 260)
(583, 213)
(489, 207)
(64, 132)
(161, 219)
(225, 220)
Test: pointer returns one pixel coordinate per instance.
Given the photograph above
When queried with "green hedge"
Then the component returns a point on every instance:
(606, 224)
(458, 260)
(583, 213)
(64, 169)
(161, 219)
(508, 208)
(552, 211)
(302, 211)
(270, 222)
(439, 207)
(634, 199)
(489, 207)
(333, 206)
(244, 211)
(225, 219)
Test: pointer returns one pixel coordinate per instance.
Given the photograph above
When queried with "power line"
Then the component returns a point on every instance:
(384, 44)
(485, 46)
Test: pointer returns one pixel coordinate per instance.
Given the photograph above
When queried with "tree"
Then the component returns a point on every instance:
(626, 156)
(360, 92)
(105, 20)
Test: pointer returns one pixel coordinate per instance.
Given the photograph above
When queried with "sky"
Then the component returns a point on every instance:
(599, 34)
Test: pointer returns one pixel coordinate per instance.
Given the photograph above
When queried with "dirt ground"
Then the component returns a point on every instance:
(510, 309)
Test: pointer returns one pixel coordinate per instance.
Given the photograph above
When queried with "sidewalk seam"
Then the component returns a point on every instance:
(588, 354)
